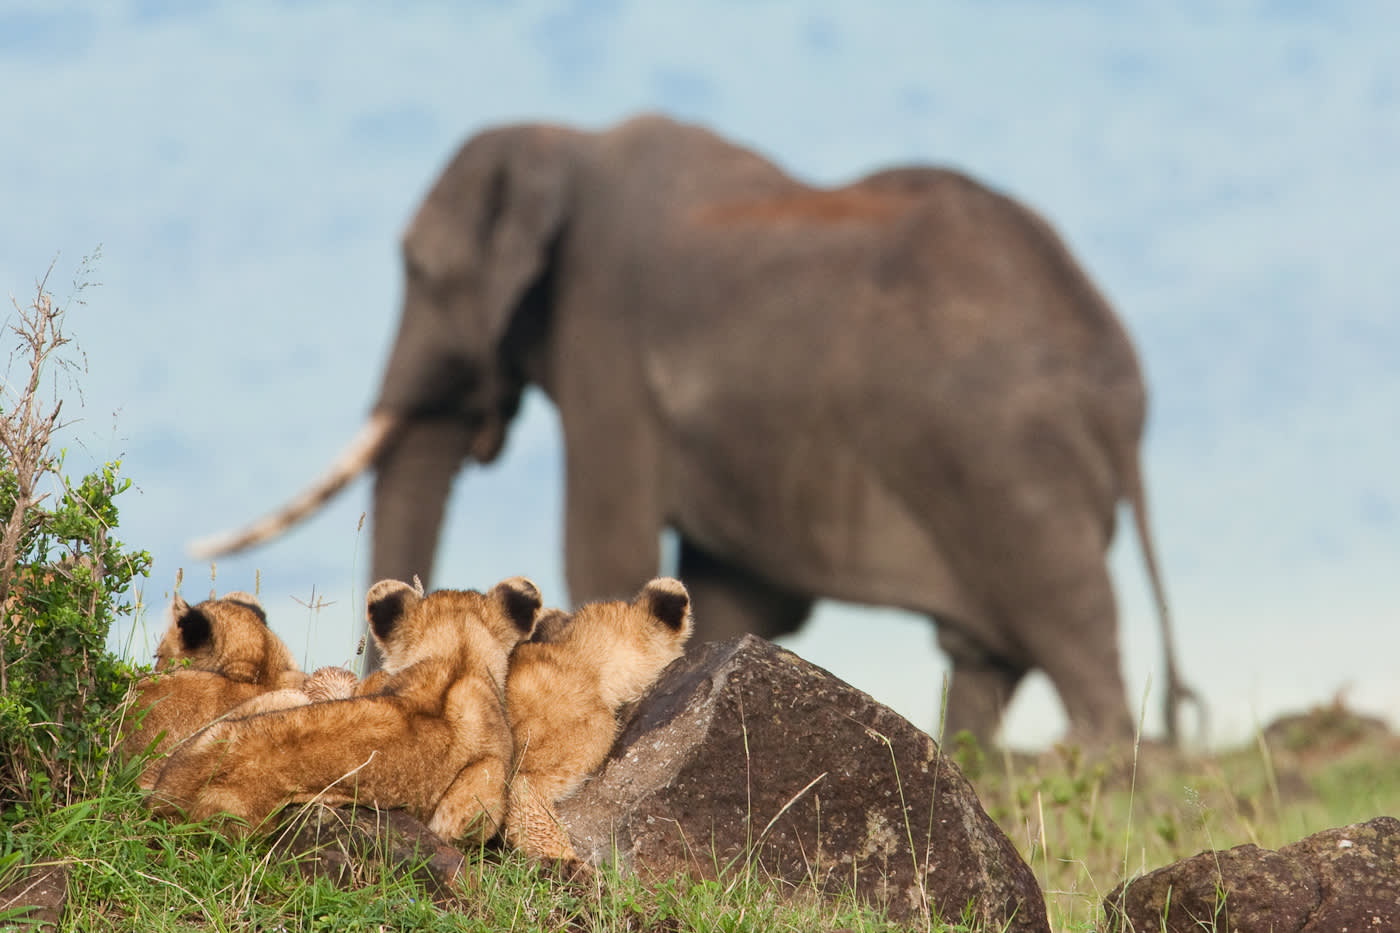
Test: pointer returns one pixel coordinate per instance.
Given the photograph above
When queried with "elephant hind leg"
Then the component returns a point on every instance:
(979, 688)
(730, 601)
(1075, 641)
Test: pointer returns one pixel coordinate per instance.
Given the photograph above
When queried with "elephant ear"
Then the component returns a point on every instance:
(494, 215)
(530, 199)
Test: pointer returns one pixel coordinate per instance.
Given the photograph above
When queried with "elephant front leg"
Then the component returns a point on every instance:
(612, 521)
(411, 487)
(412, 483)
(1075, 641)
(730, 601)
(979, 688)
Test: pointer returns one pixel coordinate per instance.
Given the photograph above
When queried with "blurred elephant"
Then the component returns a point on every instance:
(902, 392)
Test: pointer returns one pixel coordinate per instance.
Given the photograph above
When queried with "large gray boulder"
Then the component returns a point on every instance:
(745, 758)
(1338, 879)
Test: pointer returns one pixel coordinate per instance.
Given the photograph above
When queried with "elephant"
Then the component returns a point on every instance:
(901, 392)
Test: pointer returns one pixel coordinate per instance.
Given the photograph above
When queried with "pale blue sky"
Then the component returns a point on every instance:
(1229, 173)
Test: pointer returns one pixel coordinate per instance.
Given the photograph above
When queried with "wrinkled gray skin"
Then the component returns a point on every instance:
(904, 393)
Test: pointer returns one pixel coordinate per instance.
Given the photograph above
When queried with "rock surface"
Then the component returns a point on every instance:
(1339, 879)
(36, 899)
(350, 846)
(746, 758)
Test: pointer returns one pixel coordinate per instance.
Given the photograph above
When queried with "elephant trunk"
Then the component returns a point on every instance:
(377, 435)
(413, 479)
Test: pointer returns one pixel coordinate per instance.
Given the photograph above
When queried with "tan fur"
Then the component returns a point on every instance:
(330, 683)
(563, 695)
(325, 683)
(238, 643)
(212, 658)
(428, 732)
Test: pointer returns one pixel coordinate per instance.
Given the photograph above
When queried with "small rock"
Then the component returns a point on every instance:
(1324, 731)
(1358, 869)
(745, 757)
(1339, 879)
(37, 898)
(352, 845)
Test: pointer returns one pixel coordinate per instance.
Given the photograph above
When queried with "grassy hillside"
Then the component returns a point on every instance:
(1085, 826)
(1082, 824)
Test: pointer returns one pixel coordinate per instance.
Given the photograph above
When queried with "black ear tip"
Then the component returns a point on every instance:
(522, 600)
(669, 601)
(550, 624)
(196, 629)
(385, 611)
(386, 602)
(248, 601)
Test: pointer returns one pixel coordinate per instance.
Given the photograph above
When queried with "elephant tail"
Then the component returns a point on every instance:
(362, 451)
(1177, 691)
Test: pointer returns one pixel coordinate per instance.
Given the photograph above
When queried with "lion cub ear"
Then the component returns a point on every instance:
(249, 601)
(520, 600)
(387, 603)
(667, 600)
(195, 627)
(550, 626)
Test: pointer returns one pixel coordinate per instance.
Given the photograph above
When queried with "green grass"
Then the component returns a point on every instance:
(130, 871)
(1082, 826)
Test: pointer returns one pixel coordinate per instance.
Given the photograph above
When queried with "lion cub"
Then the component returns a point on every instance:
(322, 684)
(566, 686)
(428, 732)
(213, 657)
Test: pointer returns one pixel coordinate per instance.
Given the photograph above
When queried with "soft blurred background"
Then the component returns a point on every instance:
(1228, 172)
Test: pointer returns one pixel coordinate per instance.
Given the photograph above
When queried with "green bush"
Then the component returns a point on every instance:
(64, 579)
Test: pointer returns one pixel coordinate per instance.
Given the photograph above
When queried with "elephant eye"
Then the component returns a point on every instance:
(494, 207)
(435, 289)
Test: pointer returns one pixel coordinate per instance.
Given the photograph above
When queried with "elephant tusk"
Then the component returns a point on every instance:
(356, 458)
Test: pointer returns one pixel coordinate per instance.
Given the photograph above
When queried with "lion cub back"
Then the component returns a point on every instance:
(213, 657)
(227, 636)
(565, 688)
(427, 732)
(320, 686)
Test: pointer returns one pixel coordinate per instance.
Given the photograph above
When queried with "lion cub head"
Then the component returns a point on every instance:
(227, 636)
(629, 644)
(566, 687)
(411, 628)
(213, 658)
